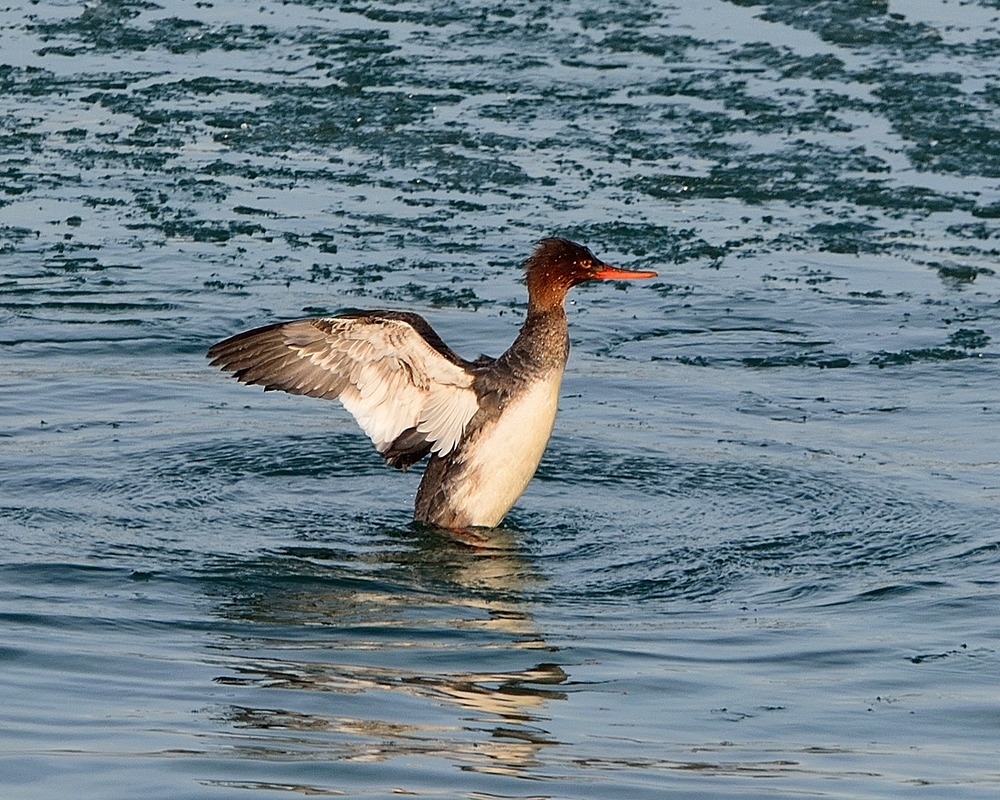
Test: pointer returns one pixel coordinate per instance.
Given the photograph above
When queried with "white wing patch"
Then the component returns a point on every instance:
(444, 417)
(383, 371)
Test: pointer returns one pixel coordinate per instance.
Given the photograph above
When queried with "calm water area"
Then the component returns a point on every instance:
(761, 557)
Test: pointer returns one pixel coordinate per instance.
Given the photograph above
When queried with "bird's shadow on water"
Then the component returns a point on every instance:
(393, 641)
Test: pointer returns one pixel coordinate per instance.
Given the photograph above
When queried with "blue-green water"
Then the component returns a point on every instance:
(761, 555)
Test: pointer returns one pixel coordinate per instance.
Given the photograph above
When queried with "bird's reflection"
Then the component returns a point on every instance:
(421, 644)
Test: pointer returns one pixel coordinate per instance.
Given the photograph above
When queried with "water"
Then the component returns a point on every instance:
(760, 557)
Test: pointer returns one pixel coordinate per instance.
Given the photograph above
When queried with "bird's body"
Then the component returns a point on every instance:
(485, 423)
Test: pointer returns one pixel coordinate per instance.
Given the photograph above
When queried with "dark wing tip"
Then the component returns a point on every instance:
(232, 346)
(263, 357)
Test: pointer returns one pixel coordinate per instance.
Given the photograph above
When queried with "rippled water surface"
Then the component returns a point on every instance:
(760, 557)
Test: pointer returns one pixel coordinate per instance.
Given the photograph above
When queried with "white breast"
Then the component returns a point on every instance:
(502, 459)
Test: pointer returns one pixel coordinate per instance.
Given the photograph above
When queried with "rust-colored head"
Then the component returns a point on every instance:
(557, 265)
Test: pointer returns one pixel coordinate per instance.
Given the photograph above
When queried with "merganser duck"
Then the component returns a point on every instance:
(485, 423)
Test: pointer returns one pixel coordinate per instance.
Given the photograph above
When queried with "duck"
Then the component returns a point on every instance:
(484, 423)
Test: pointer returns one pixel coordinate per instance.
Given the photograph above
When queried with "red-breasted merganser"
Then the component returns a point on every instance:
(485, 423)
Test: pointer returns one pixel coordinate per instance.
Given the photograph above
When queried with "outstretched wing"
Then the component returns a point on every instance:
(408, 391)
